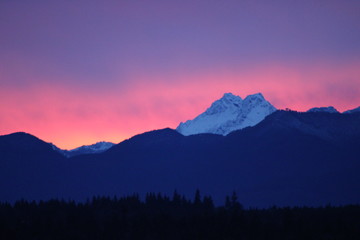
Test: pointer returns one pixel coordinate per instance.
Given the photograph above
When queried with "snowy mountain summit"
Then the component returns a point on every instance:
(98, 147)
(329, 109)
(355, 110)
(228, 114)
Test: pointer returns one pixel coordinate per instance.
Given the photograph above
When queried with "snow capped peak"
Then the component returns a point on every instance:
(229, 96)
(258, 96)
(94, 148)
(98, 147)
(227, 102)
(255, 99)
(329, 109)
(228, 114)
(355, 110)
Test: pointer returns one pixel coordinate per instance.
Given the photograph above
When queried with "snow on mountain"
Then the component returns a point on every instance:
(228, 114)
(329, 109)
(355, 110)
(59, 150)
(98, 147)
(94, 148)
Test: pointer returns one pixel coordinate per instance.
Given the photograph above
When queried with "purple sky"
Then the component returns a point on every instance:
(61, 58)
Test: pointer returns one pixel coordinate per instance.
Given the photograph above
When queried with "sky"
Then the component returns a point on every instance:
(76, 72)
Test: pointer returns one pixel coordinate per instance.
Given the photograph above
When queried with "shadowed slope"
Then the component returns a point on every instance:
(289, 158)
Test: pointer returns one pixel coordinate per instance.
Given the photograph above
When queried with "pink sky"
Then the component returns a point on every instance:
(78, 72)
(73, 116)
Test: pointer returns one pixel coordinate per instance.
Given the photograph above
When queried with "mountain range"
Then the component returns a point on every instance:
(225, 115)
(289, 158)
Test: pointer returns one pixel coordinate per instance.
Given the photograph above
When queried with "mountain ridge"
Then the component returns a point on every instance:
(227, 114)
(329, 109)
(95, 148)
(291, 158)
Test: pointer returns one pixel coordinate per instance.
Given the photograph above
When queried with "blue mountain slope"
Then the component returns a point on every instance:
(289, 158)
(29, 168)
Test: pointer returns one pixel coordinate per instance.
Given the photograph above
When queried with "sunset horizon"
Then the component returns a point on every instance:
(179, 119)
(81, 141)
(75, 73)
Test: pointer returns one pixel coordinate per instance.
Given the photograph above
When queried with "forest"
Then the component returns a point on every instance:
(161, 217)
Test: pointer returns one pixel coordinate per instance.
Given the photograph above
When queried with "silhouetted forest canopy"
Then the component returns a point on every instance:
(176, 217)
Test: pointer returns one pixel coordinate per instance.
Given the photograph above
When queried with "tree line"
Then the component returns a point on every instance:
(177, 217)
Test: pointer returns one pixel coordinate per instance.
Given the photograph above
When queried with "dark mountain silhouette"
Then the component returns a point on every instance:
(30, 168)
(290, 158)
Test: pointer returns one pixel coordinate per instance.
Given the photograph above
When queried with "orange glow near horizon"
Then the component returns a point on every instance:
(71, 117)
